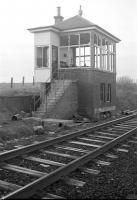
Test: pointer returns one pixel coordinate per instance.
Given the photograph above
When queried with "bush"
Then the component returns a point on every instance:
(126, 94)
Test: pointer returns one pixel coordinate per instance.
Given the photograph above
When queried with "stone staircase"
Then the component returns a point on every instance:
(56, 92)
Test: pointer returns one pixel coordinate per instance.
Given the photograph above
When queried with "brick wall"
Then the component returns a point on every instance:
(89, 89)
(15, 104)
(68, 104)
(107, 78)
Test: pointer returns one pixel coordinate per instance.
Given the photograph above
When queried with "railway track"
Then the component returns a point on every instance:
(39, 165)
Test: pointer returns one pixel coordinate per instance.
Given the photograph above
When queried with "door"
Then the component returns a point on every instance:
(54, 61)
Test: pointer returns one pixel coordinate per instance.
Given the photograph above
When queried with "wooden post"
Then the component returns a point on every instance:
(11, 85)
(33, 81)
(23, 80)
(34, 102)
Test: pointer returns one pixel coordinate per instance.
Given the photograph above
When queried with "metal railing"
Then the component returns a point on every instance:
(57, 76)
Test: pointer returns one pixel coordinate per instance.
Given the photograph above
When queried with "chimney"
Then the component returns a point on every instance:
(58, 18)
(80, 11)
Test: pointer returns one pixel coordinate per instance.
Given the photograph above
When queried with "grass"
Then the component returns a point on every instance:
(19, 89)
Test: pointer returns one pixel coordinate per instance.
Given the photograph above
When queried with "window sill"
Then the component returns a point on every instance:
(39, 68)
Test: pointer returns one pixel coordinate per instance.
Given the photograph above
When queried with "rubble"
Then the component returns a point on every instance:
(38, 130)
(55, 125)
(16, 117)
(35, 121)
(24, 114)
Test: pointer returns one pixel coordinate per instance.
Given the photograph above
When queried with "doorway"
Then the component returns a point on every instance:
(54, 61)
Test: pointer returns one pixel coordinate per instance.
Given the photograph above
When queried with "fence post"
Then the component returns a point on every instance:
(33, 81)
(11, 85)
(34, 101)
(23, 80)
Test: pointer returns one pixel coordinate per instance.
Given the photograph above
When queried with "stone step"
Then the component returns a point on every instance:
(57, 89)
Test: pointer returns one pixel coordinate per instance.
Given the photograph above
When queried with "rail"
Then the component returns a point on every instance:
(64, 169)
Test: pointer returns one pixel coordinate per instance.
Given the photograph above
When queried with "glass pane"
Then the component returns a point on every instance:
(82, 51)
(98, 50)
(81, 59)
(77, 61)
(77, 51)
(64, 40)
(99, 41)
(82, 63)
(45, 56)
(84, 38)
(98, 61)
(54, 54)
(64, 55)
(87, 62)
(95, 39)
(95, 61)
(112, 61)
(74, 39)
(39, 56)
(87, 50)
(103, 42)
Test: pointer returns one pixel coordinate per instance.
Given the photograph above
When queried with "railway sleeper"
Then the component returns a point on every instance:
(22, 170)
(9, 186)
(52, 196)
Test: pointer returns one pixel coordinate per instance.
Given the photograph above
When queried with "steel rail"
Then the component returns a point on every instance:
(47, 180)
(29, 148)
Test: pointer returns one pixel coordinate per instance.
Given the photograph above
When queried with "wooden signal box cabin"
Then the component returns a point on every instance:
(83, 51)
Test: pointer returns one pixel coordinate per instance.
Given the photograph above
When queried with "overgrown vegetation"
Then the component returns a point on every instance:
(126, 93)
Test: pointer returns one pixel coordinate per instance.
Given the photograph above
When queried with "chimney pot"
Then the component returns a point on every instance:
(58, 11)
(58, 18)
(80, 11)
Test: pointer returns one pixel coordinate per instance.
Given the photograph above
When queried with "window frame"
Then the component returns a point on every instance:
(109, 93)
(79, 46)
(102, 92)
(82, 56)
(104, 53)
(36, 57)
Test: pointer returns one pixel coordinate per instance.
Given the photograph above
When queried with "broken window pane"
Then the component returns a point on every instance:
(84, 38)
(74, 39)
(64, 40)
(95, 39)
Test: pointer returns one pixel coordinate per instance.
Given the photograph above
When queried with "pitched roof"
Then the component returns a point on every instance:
(74, 22)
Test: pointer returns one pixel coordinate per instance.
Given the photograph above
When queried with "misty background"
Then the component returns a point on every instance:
(119, 17)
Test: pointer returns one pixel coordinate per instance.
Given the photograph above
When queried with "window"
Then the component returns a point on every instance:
(83, 56)
(109, 92)
(75, 50)
(97, 49)
(42, 56)
(74, 39)
(102, 92)
(104, 53)
(84, 38)
(64, 40)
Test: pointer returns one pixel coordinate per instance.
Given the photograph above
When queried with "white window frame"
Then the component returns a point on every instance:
(42, 46)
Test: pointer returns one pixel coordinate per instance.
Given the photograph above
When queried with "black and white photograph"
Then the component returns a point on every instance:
(68, 99)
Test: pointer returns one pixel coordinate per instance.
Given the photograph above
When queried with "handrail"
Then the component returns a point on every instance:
(56, 75)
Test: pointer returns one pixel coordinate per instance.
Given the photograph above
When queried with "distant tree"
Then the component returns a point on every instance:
(126, 93)
(126, 83)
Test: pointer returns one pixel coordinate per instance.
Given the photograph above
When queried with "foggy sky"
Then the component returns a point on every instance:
(118, 17)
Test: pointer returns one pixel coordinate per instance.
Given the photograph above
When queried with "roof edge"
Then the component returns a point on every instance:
(43, 28)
